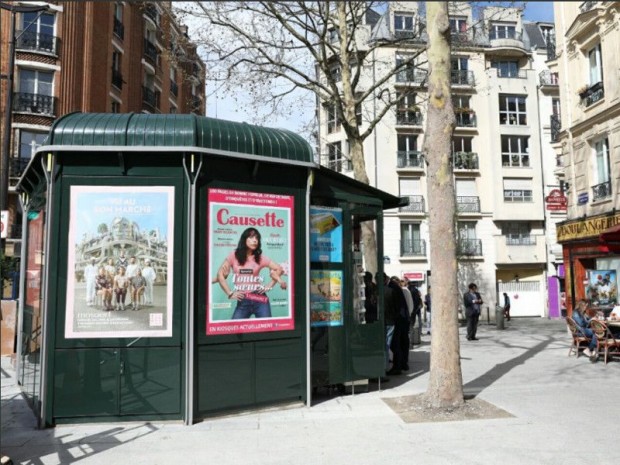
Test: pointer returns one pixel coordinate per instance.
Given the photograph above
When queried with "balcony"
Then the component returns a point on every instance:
(592, 94)
(150, 51)
(586, 6)
(556, 127)
(601, 191)
(460, 39)
(409, 159)
(34, 103)
(411, 76)
(465, 118)
(413, 248)
(469, 247)
(511, 73)
(174, 88)
(17, 166)
(151, 99)
(468, 204)
(416, 204)
(117, 79)
(36, 41)
(547, 78)
(118, 29)
(409, 118)
(523, 249)
(465, 161)
(151, 11)
(462, 77)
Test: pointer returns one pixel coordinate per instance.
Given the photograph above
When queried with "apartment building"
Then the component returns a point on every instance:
(507, 187)
(588, 147)
(113, 57)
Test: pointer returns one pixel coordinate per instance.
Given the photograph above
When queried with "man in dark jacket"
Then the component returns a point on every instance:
(390, 309)
(472, 302)
(400, 341)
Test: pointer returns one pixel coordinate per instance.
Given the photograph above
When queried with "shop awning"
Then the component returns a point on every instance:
(611, 238)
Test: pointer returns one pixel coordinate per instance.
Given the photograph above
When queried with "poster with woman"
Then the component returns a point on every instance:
(114, 231)
(250, 262)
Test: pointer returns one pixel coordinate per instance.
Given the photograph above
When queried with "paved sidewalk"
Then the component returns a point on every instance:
(565, 411)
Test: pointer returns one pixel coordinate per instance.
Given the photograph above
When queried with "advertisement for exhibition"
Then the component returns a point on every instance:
(119, 279)
(325, 234)
(250, 262)
(325, 298)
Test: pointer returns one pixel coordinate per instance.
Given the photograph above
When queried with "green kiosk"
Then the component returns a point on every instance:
(176, 267)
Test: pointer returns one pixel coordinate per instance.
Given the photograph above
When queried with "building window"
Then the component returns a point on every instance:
(548, 33)
(333, 35)
(515, 151)
(461, 103)
(512, 110)
(602, 175)
(407, 112)
(37, 32)
(336, 73)
(410, 240)
(596, 65)
(518, 233)
(333, 120)
(412, 189)
(29, 142)
(517, 190)
(117, 77)
(36, 82)
(116, 107)
(336, 159)
(555, 107)
(407, 143)
(118, 11)
(468, 243)
(403, 24)
(459, 63)
(118, 28)
(506, 69)
(458, 25)
(503, 31)
(462, 144)
(173, 110)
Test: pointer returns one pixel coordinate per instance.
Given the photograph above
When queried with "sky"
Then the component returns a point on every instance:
(232, 108)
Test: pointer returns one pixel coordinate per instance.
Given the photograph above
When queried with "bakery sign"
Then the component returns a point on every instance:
(587, 228)
(556, 201)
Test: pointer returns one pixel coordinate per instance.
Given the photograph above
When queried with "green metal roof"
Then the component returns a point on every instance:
(107, 130)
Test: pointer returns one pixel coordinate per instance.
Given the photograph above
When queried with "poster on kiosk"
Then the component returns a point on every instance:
(250, 262)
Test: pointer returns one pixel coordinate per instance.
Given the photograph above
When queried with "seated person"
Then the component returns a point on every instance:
(583, 322)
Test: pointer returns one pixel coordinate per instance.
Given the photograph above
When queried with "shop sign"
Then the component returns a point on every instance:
(556, 201)
(116, 234)
(590, 227)
(582, 198)
(250, 262)
(415, 275)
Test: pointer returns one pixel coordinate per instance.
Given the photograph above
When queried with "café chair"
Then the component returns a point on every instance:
(606, 343)
(580, 340)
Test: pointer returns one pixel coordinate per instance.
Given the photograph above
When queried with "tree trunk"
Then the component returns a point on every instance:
(445, 388)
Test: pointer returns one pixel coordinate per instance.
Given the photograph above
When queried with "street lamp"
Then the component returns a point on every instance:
(6, 142)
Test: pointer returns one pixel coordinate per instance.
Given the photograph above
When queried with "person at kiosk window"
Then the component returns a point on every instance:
(248, 260)
(582, 321)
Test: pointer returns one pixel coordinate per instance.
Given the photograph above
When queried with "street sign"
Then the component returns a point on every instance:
(556, 201)
(4, 224)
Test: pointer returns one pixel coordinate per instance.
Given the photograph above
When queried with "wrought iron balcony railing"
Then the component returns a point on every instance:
(547, 78)
(416, 204)
(150, 51)
(151, 11)
(468, 204)
(117, 79)
(551, 50)
(511, 73)
(412, 76)
(174, 88)
(520, 240)
(469, 247)
(465, 118)
(592, 94)
(34, 103)
(601, 191)
(36, 41)
(409, 118)
(118, 29)
(465, 161)
(556, 127)
(415, 248)
(462, 77)
(151, 98)
(409, 159)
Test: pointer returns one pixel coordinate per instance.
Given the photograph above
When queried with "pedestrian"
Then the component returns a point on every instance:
(400, 341)
(417, 304)
(506, 307)
(472, 301)
(370, 295)
(427, 303)
(390, 309)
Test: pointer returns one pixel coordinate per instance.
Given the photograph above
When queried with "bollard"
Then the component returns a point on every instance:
(499, 317)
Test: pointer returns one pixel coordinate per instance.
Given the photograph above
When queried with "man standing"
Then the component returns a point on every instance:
(506, 307)
(390, 311)
(427, 302)
(90, 275)
(149, 275)
(472, 302)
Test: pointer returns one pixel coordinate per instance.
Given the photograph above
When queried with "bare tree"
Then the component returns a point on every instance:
(445, 387)
(275, 49)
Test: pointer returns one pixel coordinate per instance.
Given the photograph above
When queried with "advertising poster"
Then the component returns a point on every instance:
(250, 262)
(325, 298)
(120, 262)
(325, 234)
(601, 288)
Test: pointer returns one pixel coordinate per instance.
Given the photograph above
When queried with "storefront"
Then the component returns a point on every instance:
(178, 266)
(591, 250)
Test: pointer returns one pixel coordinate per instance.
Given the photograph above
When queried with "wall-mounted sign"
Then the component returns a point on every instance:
(590, 227)
(415, 275)
(582, 198)
(556, 201)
